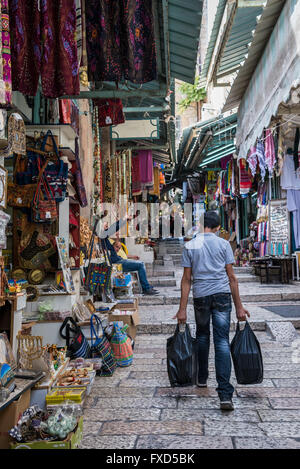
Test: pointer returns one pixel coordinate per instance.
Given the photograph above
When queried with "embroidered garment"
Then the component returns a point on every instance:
(44, 43)
(120, 40)
(260, 153)
(6, 97)
(252, 160)
(25, 45)
(110, 111)
(270, 152)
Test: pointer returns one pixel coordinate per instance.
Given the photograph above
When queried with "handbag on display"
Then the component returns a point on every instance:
(100, 347)
(121, 345)
(77, 346)
(44, 210)
(110, 111)
(97, 274)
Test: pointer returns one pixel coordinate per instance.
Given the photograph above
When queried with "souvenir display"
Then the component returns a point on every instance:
(65, 264)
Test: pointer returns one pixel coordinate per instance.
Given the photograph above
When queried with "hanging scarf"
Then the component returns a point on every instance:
(6, 93)
(260, 153)
(270, 152)
(245, 181)
(155, 190)
(136, 178)
(146, 168)
(252, 160)
(120, 40)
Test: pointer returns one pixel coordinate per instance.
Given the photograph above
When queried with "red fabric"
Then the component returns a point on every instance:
(65, 111)
(110, 112)
(245, 181)
(135, 175)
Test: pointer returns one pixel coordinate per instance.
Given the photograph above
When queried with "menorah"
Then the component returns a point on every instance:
(29, 348)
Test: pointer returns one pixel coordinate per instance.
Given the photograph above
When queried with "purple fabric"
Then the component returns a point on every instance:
(224, 161)
(146, 167)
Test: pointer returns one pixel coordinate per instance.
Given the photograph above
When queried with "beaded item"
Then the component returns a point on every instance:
(98, 178)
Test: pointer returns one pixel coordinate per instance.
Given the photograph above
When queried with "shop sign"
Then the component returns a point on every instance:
(136, 129)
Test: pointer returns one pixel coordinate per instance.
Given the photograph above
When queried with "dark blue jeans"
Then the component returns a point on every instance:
(132, 266)
(217, 306)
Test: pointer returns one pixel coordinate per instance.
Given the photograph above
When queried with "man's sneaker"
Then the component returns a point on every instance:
(151, 292)
(226, 404)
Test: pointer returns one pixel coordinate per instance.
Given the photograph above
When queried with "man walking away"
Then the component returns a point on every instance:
(208, 266)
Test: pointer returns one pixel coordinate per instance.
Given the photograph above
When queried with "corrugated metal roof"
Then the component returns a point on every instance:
(255, 49)
(223, 130)
(184, 20)
(240, 34)
(213, 37)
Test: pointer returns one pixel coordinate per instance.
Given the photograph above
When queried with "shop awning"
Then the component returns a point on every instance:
(231, 34)
(276, 74)
(206, 142)
(265, 26)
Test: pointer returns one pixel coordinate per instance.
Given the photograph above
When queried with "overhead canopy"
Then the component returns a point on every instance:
(205, 143)
(276, 74)
(261, 36)
(177, 32)
(232, 31)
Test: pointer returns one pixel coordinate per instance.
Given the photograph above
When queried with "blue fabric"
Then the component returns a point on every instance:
(218, 307)
(133, 266)
(207, 255)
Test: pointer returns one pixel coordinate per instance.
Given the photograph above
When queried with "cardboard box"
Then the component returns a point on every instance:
(71, 442)
(10, 415)
(132, 319)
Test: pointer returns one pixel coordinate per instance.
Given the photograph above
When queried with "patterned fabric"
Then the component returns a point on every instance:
(270, 152)
(156, 189)
(59, 69)
(252, 160)
(260, 152)
(280, 154)
(84, 61)
(120, 40)
(101, 348)
(121, 346)
(136, 178)
(44, 42)
(110, 112)
(6, 54)
(26, 45)
(245, 182)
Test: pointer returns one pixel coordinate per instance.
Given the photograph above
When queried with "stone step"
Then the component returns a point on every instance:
(243, 270)
(158, 262)
(177, 251)
(247, 278)
(253, 298)
(160, 273)
(162, 282)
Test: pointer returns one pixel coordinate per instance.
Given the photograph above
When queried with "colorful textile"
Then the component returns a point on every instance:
(280, 154)
(146, 168)
(121, 346)
(260, 153)
(252, 160)
(110, 111)
(120, 40)
(44, 43)
(245, 181)
(6, 97)
(270, 152)
(136, 178)
(156, 188)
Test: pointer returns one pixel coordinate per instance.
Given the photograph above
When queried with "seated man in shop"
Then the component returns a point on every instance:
(128, 265)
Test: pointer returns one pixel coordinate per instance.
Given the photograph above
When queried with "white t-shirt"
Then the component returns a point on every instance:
(290, 179)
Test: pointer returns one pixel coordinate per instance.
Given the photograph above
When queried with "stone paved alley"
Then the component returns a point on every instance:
(137, 408)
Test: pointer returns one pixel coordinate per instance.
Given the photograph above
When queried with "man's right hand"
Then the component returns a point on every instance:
(181, 316)
(242, 313)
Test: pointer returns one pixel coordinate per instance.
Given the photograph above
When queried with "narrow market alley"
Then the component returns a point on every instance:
(137, 408)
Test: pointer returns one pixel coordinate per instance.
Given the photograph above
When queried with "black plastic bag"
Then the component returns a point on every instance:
(246, 356)
(181, 357)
